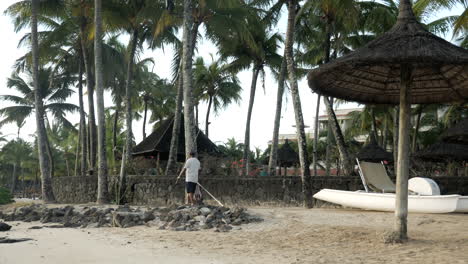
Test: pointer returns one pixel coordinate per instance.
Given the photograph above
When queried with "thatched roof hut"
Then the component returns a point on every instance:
(287, 156)
(443, 152)
(372, 152)
(159, 142)
(457, 133)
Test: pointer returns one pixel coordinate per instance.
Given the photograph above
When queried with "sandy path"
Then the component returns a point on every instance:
(288, 235)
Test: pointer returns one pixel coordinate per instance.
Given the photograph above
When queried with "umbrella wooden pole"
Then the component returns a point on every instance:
(401, 203)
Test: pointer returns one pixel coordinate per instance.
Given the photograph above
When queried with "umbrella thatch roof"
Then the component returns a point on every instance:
(159, 142)
(287, 156)
(443, 151)
(371, 74)
(457, 133)
(372, 152)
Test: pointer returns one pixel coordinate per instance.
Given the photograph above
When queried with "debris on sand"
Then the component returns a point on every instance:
(4, 240)
(176, 218)
(4, 227)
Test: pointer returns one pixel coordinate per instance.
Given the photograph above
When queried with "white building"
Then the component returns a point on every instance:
(344, 119)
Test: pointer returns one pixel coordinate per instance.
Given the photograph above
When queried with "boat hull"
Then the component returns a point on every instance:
(436, 204)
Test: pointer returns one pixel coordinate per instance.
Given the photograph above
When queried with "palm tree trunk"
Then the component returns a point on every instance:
(385, 132)
(171, 160)
(401, 203)
(335, 127)
(145, 116)
(396, 113)
(187, 56)
(128, 96)
(196, 114)
(114, 139)
(279, 104)
(47, 192)
(374, 124)
(13, 180)
(67, 166)
(253, 86)
(126, 155)
(329, 140)
(316, 135)
(83, 134)
(103, 193)
(92, 141)
(77, 153)
(51, 157)
(416, 129)
(207, 121)
(300, 133)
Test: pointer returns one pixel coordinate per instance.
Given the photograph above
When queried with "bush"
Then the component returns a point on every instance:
(5, 196)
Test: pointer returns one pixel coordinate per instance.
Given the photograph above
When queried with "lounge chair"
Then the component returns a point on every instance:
(374, 177)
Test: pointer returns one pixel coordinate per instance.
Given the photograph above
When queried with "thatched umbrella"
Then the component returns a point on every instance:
(443, 151)
(372, 152)
(403, 66)
(457, 133)
(287, 156)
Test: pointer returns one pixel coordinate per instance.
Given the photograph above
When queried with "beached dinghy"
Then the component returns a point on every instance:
(426, 196)
(386, 201)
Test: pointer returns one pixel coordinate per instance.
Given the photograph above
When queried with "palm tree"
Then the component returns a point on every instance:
(47, 192)
(187, 54)
(102, 193)
(14, 153)
(258, 54)
(217, 17)
(219, 86)
(159, 98)
(300, 133)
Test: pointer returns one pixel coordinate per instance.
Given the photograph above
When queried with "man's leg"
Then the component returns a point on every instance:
(190, 198)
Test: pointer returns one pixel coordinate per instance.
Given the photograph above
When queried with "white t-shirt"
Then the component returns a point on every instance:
(192, 165)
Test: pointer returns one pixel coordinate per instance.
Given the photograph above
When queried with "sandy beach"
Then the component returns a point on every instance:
(288, 235)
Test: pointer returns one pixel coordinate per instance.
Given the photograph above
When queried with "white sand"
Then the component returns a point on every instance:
(288, 235)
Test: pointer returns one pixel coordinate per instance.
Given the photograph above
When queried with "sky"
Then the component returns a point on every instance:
(227, 124)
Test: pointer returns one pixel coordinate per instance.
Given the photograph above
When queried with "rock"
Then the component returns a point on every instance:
(179, 228)
(200, 218)
(93, 225)
(148, 216)
(210, 218)
(223, 228)
(237, 222)
(4, 227)
(205, 211)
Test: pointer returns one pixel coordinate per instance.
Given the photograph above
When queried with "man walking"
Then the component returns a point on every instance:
(191, 168)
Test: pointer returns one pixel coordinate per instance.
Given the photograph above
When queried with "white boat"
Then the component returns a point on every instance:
(435, 204)
(424, 194)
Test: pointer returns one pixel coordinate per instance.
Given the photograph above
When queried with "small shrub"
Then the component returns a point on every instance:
(5, 196)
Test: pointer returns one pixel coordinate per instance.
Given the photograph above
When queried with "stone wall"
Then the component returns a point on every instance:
(284, 191)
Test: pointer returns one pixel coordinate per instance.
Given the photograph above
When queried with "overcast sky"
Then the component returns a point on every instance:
(229, 123)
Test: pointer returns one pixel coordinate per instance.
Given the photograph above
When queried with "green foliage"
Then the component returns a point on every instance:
(5, 196)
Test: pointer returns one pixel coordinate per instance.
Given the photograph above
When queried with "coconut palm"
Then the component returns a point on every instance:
(14, 153)
(53, 98)
(47, 192)
(216, 17)
(102, 192)
(258, 55)
(217, 85)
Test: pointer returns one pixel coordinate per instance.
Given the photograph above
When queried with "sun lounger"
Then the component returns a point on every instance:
(374, 177)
